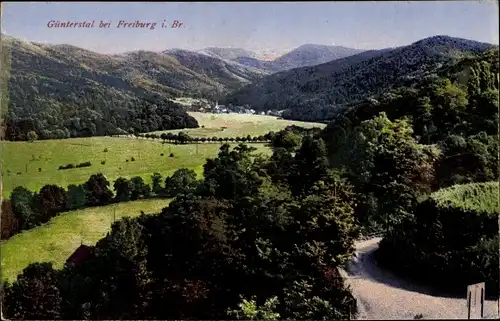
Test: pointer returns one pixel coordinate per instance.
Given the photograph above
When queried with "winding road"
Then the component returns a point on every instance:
(381, 295)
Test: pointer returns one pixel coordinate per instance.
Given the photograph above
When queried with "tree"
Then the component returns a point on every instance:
(51, 200)
(123, 189)
(9, 225)
(32, 136)
(140, 190)
(231, 174)
(310, 165)
(98, 192)
(286, 139)
(387, 163)
(183, 138)
(23, 207)
(76, 197)
(250, 311)
(34, 295)
(157, 189)
(182, 181)
(280, 166)
(467, 159)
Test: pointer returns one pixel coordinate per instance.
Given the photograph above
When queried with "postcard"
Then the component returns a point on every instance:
(249, 161)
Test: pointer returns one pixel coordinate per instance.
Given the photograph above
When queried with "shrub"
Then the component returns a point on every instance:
(161, 154)
(39, 169)
(132, 159)
(126, 160)
(171, 155)
(103, 162)
(450, 240)
(69, 166)
(85, 164)
(105, 150)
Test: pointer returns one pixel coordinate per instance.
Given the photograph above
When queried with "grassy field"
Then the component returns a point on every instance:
(238, 125)
(56, 240)
(48, 155)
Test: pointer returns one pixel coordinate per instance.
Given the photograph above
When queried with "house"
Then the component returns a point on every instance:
(79, 255)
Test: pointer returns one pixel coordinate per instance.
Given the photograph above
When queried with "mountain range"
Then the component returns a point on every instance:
(309, 82)
(305, 55)
(315, 92)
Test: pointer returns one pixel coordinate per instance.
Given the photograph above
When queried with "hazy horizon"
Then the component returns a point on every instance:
(275, 27)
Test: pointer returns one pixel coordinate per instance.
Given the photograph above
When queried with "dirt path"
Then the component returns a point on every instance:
(381, 295)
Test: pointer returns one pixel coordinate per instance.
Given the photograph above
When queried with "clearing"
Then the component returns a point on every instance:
(57, 239)
(238, 125)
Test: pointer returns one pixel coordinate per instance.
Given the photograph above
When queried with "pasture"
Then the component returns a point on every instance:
(56, 240)
(233, 125)
(35, 164)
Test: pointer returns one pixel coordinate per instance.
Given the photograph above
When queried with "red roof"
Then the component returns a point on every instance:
(80, 254)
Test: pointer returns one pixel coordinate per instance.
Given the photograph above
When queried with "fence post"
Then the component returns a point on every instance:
(468, 305)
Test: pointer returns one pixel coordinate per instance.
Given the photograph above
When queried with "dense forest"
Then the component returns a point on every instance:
(76, 116)
(455, 110)
(316, 93)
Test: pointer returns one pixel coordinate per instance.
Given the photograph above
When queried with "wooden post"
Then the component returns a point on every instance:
(468, 305)
(482, 303)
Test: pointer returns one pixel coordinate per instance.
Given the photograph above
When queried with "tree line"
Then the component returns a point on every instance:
(184, 138)
(278, 139)
(26, 209)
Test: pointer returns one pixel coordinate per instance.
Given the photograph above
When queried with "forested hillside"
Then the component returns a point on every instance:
(230, 75)
(315, 93)
(61, 91)
(311, 54)
(456, 111)
(302, 56)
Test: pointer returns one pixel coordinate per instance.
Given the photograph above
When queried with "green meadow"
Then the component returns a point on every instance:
(56, 240)
(233, 125)
(36, 164)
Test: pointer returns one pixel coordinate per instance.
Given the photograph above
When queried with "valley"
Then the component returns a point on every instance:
(322, 182)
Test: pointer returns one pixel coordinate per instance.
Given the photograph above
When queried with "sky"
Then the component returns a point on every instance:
(275, 26)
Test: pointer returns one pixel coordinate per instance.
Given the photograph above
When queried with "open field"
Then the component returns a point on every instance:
(48, 155)
(238, 125)
(188, 101)
(56, 240)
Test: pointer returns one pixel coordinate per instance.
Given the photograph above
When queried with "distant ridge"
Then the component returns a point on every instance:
(313, 93)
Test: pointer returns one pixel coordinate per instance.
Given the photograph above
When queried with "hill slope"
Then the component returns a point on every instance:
(311, 54)
(62, 91)
(312, 93)
(227, 73)
(305, 55)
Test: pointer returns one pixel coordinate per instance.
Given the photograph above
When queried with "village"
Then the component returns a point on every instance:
(227, 109)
